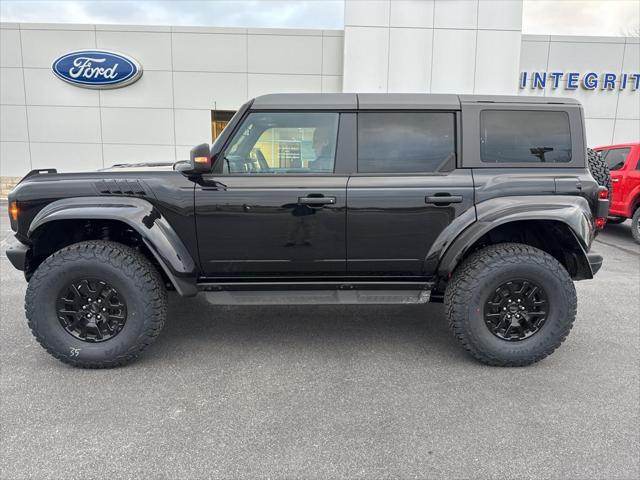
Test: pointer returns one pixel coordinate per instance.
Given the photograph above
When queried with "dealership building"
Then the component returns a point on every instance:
(194, 78)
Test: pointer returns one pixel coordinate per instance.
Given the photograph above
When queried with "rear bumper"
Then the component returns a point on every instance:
(595, 262)
(17, 253)
(603, 208)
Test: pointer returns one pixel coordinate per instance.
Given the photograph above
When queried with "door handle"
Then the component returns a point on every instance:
(443, 199)
(316, 200)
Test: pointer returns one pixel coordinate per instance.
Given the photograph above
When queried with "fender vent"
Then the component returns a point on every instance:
(120, 187)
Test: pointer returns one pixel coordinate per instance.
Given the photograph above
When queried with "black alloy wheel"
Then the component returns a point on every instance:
(498, 309)
(516, 310)
(96, 304)
(91, 310)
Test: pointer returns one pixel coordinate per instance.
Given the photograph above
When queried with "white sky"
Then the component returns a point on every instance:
(561, 17)
(581, 17)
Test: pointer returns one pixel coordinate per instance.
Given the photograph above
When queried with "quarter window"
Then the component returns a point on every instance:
(282, 143)
(516, 136)
(406, 142)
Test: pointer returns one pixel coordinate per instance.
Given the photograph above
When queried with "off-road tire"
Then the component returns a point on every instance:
(478, 276)
(135, 278)
(599, 169)
(635, 225)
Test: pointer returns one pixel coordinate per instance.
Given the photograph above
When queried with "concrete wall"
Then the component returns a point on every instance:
(439, 46)
(432, 46)
(612, 116)
(45, 122)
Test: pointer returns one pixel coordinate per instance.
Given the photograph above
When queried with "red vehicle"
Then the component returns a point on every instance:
(624, 164)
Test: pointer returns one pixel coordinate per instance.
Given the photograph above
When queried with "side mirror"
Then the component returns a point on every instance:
(199, 160)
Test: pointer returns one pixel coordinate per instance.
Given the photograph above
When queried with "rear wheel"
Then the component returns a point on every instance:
(635, 225)
(96, 304)
(510, 304)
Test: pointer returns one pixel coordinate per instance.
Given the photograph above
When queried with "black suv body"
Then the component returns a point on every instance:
(483, 202)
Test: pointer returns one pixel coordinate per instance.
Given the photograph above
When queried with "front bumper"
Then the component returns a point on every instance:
(595, 261)
(17, 253)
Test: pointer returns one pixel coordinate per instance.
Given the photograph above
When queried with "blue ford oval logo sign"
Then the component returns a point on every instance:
(97, 69)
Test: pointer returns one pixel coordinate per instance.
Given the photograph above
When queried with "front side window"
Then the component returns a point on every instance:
(393, 142)
(615, 157)
(524, 136)
(282, 143)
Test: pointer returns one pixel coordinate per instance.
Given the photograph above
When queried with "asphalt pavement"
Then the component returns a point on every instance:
(330, 392)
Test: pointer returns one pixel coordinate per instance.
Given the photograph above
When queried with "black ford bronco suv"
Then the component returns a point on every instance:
(482, 202)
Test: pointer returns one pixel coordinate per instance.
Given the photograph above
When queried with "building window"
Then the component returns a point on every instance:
(219, 120)
(524, 136)
(406, 142)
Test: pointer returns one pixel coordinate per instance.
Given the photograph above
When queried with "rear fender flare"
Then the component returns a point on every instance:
(157, 234)
(572, 211)
(633, 202)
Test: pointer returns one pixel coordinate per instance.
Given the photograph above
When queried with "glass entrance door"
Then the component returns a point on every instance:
(219, 120)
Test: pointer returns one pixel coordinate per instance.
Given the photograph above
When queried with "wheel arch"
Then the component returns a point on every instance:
(634, 201)
(157, 237)
(561, 226)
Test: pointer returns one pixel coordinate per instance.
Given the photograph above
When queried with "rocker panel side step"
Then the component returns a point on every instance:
(316, 293)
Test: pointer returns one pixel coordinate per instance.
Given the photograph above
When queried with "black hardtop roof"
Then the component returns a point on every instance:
(389, 101)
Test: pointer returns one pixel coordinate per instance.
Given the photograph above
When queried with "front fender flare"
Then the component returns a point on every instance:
(572, 211)
(141, 216)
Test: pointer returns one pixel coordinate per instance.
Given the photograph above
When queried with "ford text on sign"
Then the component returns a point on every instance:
(97, 69)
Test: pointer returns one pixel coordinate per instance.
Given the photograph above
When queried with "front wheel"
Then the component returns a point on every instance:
(510, 304)
(96, 304)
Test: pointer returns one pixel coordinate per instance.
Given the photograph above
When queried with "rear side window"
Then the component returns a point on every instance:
(393, 142)
(615, 157)
(530, 136)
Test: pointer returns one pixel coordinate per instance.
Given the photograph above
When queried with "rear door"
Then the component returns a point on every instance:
(615, 159)
(407, 189)
(631, 180)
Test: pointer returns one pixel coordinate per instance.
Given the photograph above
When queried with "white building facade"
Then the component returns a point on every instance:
(195, 77)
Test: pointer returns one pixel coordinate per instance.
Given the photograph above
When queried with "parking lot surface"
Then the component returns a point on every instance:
(335, 391)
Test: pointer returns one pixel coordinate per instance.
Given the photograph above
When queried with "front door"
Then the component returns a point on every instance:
(273, 205)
